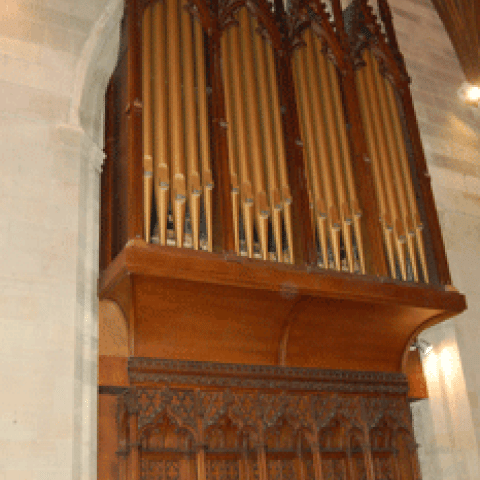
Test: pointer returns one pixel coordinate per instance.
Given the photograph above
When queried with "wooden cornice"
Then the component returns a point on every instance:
(311, 317)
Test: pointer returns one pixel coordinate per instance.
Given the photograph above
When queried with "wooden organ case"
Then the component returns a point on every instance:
(270, 244)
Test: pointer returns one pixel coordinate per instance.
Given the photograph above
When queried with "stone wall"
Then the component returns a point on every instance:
(55, 60)
(448, 424)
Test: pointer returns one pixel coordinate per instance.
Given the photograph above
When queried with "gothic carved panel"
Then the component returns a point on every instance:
(257, 430)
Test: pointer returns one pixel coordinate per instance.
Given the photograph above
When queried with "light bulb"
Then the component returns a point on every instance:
(469, 94)
(473, 93)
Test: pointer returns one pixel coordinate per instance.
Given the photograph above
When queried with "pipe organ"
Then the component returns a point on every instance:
(256, 150)
(334, 202)
(176, 144)
(270, 241)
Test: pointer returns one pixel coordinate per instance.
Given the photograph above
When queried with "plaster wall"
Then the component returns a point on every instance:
(55, 60)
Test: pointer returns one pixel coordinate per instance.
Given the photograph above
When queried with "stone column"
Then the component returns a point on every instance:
(443, 424)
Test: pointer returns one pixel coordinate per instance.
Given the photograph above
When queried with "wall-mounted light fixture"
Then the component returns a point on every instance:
(469, 94)
(421, 345)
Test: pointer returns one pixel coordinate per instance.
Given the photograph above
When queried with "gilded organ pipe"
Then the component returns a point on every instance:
(201, 86)
(394, 155)
(327, 152)
(342, 125)
(191, 134)
(308, 136)
(246, 191)
(176, 119)
(385, 154)
(395, 191)
(161, 151)
(280, 147)
(417, 226)
(385, 217)
(175, 126)
(313, 107)
(253, 126)
(177, 173)
(255, 137)
(232, 136)
(271, 167)
(318, 58)
(147, 121)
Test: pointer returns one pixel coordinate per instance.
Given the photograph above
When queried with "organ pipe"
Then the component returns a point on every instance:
(207, 180)
(389, 178)
(268, 126)
(385, 216)
(177, 174)
(253, 125)
(280, 146)
(342, 125)
(232, 137)
(147, 122)
(175, 126)
(161, 151)
(318, 58)
(395, 192)
(255, 137)
(175, 108)
(327, 151)
(191, 134)
(244, 167)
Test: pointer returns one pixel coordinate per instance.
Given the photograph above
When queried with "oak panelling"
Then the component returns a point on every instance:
(107, 460)
(196, 305)
(112, 371)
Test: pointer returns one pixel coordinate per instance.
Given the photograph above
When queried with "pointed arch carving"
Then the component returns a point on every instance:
(273, 429)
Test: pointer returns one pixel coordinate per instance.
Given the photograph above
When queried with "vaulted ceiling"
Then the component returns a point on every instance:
(462, 22)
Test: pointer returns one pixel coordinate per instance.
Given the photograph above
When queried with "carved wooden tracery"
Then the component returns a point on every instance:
(199, 432)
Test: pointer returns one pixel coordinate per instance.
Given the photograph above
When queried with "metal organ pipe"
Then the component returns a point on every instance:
(201, 86)
(161, 153)
(191, 133)
(253, 126)
(247, 198)
(417, 227)
(177, 157)
(394, 155)
(232, 136)
(314, 108)
(269, 144)
(308, 137)
(175, 123)
(147, 121)
(255, 139)
(327, 152)
(176, 119)
(280, 146)
(318, 58)
(395, 191)
(385, 217)
(398, 226)
(347, 158)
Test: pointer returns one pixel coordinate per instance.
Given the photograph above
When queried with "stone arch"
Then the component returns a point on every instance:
(93, 70)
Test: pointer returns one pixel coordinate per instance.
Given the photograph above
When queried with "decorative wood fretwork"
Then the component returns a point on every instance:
(180, 430)
(157, 371)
